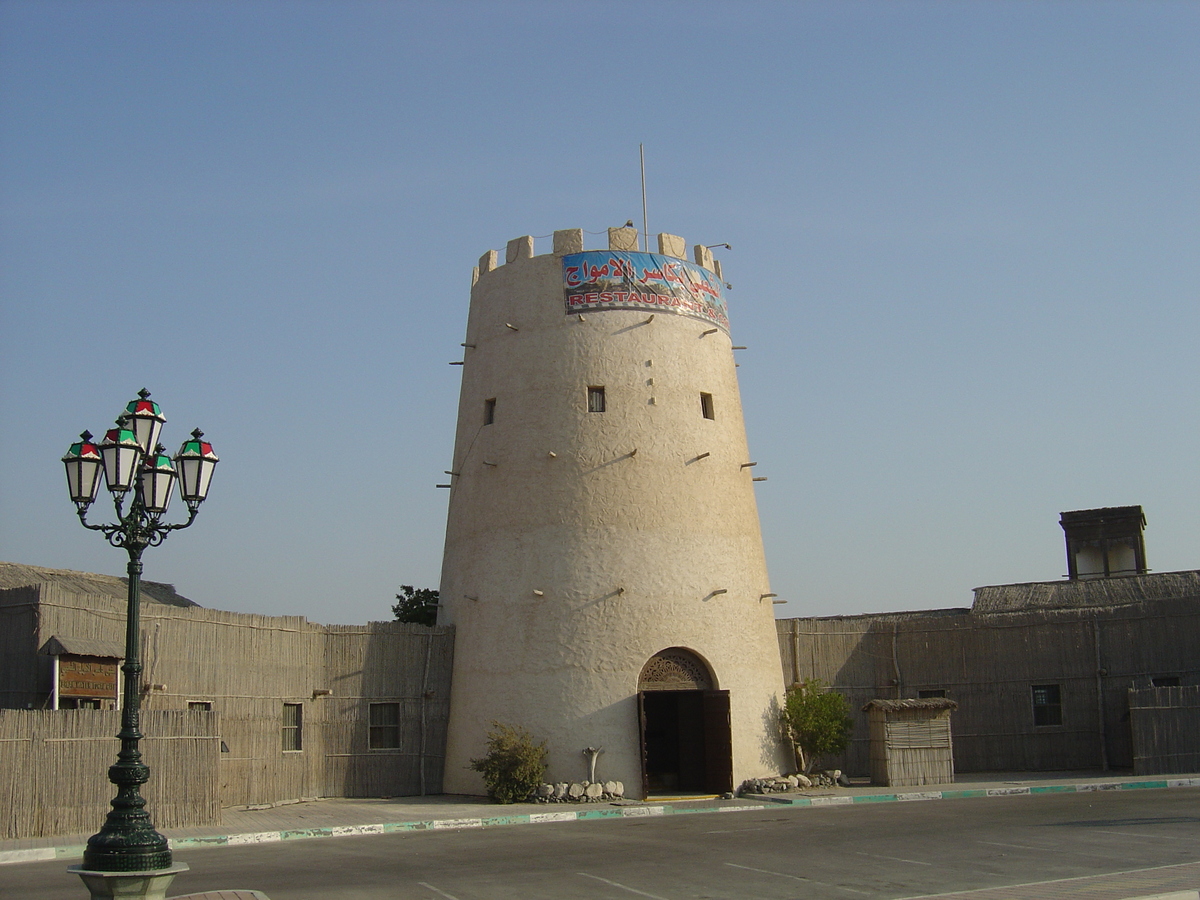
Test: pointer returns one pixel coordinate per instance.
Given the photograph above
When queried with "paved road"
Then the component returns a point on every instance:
(1141, 842)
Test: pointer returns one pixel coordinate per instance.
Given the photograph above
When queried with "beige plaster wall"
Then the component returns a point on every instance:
(580, 544)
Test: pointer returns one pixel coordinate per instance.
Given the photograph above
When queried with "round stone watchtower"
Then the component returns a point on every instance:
(604, 568)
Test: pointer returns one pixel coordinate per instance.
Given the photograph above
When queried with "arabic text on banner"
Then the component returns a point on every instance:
(609, 279)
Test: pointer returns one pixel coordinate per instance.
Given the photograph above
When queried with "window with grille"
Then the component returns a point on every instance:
(202, 705)
(706, 406)
(293, 723)
(1047, 705)
(596, 399)
(384, 721)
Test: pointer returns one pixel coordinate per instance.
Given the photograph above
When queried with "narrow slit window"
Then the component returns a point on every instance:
(489, 411)
(596, 399)
(931, 694)
(1165, 681)
(202, 705)
(384, 726)
(706, 406)
(292, 725)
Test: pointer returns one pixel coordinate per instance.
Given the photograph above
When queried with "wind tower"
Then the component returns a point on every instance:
(604, 567)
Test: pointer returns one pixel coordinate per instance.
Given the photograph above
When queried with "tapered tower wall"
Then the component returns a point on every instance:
(580, 543)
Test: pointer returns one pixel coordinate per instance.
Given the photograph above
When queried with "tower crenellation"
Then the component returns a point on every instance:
(571, 240)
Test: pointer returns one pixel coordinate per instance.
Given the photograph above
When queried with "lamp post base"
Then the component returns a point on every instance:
(149, 885)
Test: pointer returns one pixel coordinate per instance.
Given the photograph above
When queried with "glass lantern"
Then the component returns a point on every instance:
(83, 464)
(121, 453)
(145, 419)
(156, 481)
(195, 461)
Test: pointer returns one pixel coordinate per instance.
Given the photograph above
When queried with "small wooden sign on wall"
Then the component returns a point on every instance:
(91, 677)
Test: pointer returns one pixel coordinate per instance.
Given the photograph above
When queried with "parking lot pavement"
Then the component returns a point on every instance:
(1093, 845)
(1158, 883)
(347, 817)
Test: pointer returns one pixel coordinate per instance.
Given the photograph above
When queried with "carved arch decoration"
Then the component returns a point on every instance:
(675, 669)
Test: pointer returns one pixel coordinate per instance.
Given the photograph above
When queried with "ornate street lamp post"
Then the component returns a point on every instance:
(133, 462)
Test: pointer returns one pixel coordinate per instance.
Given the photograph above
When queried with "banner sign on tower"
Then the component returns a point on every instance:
(611, 279)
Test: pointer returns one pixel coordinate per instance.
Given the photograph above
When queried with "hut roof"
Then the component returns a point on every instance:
(1106, 515)
(1118, 590)
(59, 645)
(923, 703)
(18, 575)
(901, 616)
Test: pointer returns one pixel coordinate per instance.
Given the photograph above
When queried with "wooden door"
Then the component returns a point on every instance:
(641, 710)
(718, 743)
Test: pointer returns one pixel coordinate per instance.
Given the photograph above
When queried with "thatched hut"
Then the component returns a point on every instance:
(910, 741)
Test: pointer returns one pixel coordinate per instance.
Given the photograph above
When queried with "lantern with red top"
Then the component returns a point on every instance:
(83, 470)
(145, 420)
(196, 462)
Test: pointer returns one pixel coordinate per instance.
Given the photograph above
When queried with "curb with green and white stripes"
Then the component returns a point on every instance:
(763, 801)
(1015, 791)
(270, 837)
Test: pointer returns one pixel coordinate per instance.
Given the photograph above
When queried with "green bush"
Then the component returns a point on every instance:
(817, 722)
(514, 765)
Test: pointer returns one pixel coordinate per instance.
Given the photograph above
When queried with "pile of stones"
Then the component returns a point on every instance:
(579, 792)
(831, 778)
(784, 783)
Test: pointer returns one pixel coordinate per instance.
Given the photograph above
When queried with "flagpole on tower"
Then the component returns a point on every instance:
(645, 227)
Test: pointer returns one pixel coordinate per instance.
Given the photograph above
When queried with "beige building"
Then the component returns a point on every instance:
(1098, 671)
(239, 709)
(603, 568)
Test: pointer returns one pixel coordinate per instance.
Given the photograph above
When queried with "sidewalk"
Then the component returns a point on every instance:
(344, 817)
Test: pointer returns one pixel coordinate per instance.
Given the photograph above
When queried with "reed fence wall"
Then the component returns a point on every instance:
(244, 668)
(1165, 722)
(54, 769)
(989, 663)
(395, 663)
(20, 683)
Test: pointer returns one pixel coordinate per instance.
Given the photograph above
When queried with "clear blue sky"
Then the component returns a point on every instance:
(964, 262)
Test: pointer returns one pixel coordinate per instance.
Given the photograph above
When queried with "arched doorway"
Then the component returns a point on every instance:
(683, 723)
